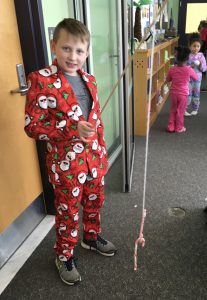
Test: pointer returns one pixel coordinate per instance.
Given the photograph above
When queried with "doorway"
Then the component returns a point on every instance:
(109, 46)
(191, 12)
(21, 198)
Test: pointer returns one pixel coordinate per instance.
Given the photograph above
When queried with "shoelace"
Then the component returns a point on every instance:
(101, 240)
(71, 263)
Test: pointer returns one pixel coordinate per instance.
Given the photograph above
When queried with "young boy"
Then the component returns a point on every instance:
(62, 108)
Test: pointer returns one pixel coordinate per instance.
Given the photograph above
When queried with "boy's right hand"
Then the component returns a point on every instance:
(86, 130)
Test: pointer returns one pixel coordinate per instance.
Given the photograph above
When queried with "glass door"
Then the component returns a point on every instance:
(53, 12)
(102, 21)
(129, 145)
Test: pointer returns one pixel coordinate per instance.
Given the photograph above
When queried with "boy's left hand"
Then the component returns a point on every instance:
(86, 130)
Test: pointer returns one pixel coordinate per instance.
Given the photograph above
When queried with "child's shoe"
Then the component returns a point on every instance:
(100, 245)
(181, 130)
(67, 270)
(194, 113)
(170, 130)
(187, 114)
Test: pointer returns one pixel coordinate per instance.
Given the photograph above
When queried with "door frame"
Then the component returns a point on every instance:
(183, 40)
(129, 137)
(29, 15)
(86, 19)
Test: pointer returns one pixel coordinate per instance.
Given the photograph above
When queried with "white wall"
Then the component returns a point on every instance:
(195, 13)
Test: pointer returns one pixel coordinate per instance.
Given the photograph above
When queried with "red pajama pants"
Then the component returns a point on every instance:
(178, 107)
(67, 202)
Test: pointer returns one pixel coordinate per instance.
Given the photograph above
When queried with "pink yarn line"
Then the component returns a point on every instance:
(140, 239)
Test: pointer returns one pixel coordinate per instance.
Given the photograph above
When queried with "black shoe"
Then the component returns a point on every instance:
(101, 246)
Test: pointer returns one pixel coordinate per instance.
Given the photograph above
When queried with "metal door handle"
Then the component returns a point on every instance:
(23, 90)
(115, 55)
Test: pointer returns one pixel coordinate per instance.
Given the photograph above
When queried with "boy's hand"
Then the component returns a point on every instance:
(86, 130)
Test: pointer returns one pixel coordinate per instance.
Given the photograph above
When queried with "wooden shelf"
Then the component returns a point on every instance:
(154, 72)
(163, 54)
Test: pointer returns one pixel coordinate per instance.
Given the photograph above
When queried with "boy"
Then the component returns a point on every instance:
(62, 108)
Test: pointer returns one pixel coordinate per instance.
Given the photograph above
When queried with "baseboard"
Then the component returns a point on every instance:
(13, 236)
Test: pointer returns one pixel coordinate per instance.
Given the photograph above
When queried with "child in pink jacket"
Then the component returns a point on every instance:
(179, 77)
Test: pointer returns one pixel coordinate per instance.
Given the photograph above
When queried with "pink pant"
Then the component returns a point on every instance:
(178, 107)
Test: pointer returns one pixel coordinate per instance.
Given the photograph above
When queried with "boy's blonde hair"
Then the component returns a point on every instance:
(73, 27)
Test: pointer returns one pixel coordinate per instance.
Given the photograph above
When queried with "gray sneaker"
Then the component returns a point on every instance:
(67, 270)
(101, 246)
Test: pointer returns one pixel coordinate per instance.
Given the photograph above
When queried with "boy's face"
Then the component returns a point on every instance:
(70, 51)
(195, 47)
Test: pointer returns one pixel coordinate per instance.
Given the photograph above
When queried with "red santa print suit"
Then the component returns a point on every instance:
(75, 169)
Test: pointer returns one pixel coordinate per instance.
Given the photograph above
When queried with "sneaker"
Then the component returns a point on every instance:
(101, 246)
(181, 130)
(187, 114)
(67, 270)
(205, 210)
(170, 130)
(194, 113)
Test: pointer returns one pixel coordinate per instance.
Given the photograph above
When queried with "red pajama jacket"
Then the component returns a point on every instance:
(52, 114)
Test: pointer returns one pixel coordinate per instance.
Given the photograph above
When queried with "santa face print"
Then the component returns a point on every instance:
(91, 216)
(56, 177)
(94, 172)
(62, 257)
(98, 122)
(65, 246)
(95, 116)
(76, 192)
(51, 101)
(74, 233)
(92, 231)
(78, 148)
(95, 145)
(70, 156)
(43, 137)
(75, 113)
(92, 197)
(27, 120)
(102, 180)
(62, 228)
(45, 72)
(42, 101)
(104, 150)
(29, 84)
(49, 147)
(65, 165)
(53, 168)
(57, 83)
(75, 217)
(62, 207)
(61, 124)
(85, 78)
(77, 110)
(48, 71)
(82, 177)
